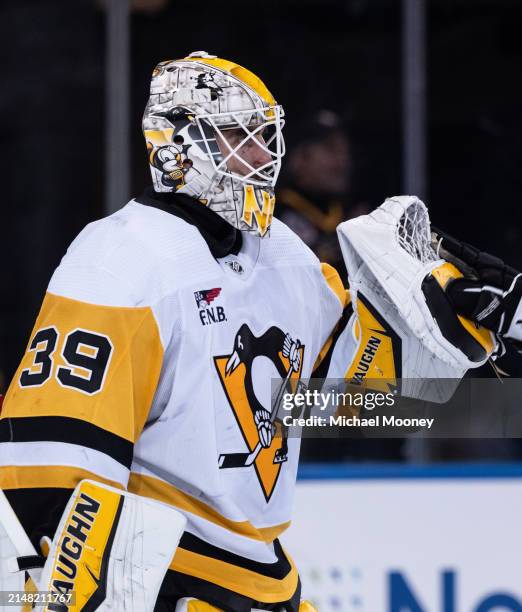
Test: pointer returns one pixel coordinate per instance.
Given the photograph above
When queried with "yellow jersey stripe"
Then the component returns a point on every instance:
(53, 477)
(335, 283)
(237, 579)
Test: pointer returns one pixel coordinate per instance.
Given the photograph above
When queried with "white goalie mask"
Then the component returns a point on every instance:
(193, 103)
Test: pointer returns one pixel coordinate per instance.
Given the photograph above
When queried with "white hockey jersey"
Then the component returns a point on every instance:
(146, 368)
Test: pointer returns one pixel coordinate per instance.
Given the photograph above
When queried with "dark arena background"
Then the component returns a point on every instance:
(381, 97)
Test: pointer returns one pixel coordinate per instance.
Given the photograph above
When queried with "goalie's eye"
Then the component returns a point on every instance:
(233, 136)
(269, 134)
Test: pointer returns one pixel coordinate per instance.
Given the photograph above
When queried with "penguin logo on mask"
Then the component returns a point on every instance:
(173, 163)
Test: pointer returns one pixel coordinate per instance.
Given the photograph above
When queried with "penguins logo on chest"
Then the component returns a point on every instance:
(263, 433)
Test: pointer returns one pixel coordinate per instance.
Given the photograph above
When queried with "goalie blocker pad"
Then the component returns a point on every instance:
(397, 284)
(111, 550)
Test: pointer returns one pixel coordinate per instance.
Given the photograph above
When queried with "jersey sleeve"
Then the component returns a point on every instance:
(362, 347)
(80, 397)
(339, 347)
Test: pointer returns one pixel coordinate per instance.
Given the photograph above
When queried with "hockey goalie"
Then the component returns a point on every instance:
(143, 461)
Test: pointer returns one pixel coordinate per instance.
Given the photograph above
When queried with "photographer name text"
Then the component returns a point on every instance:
(354, 421)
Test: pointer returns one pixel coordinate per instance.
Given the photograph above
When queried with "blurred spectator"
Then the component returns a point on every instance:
(313, 199)
(315, 187)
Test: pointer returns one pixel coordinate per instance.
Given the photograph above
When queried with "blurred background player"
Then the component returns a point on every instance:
(315, 194)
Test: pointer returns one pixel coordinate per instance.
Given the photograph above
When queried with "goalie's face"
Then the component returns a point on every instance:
(243, 154)
(245, 145)
(245, 149)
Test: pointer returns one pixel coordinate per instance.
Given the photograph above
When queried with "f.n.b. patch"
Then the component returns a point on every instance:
(208, 313)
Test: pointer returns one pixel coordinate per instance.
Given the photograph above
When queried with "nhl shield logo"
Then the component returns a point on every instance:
(235, 266)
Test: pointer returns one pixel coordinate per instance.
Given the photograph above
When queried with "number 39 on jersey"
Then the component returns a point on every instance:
(90, 362)
(85, 354)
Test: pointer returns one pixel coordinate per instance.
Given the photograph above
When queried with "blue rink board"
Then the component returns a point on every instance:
(385, 471)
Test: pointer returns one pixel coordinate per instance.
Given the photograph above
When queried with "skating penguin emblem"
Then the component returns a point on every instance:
(261, 427)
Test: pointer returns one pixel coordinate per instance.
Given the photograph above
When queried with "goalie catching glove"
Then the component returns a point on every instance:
(398, 285)
(491, 291)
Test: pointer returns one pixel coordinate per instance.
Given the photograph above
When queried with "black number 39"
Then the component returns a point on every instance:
(85, 353)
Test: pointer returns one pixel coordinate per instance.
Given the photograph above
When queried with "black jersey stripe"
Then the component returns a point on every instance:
(177, 585)
(69, 430)
(277, 570)
(322, 369)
